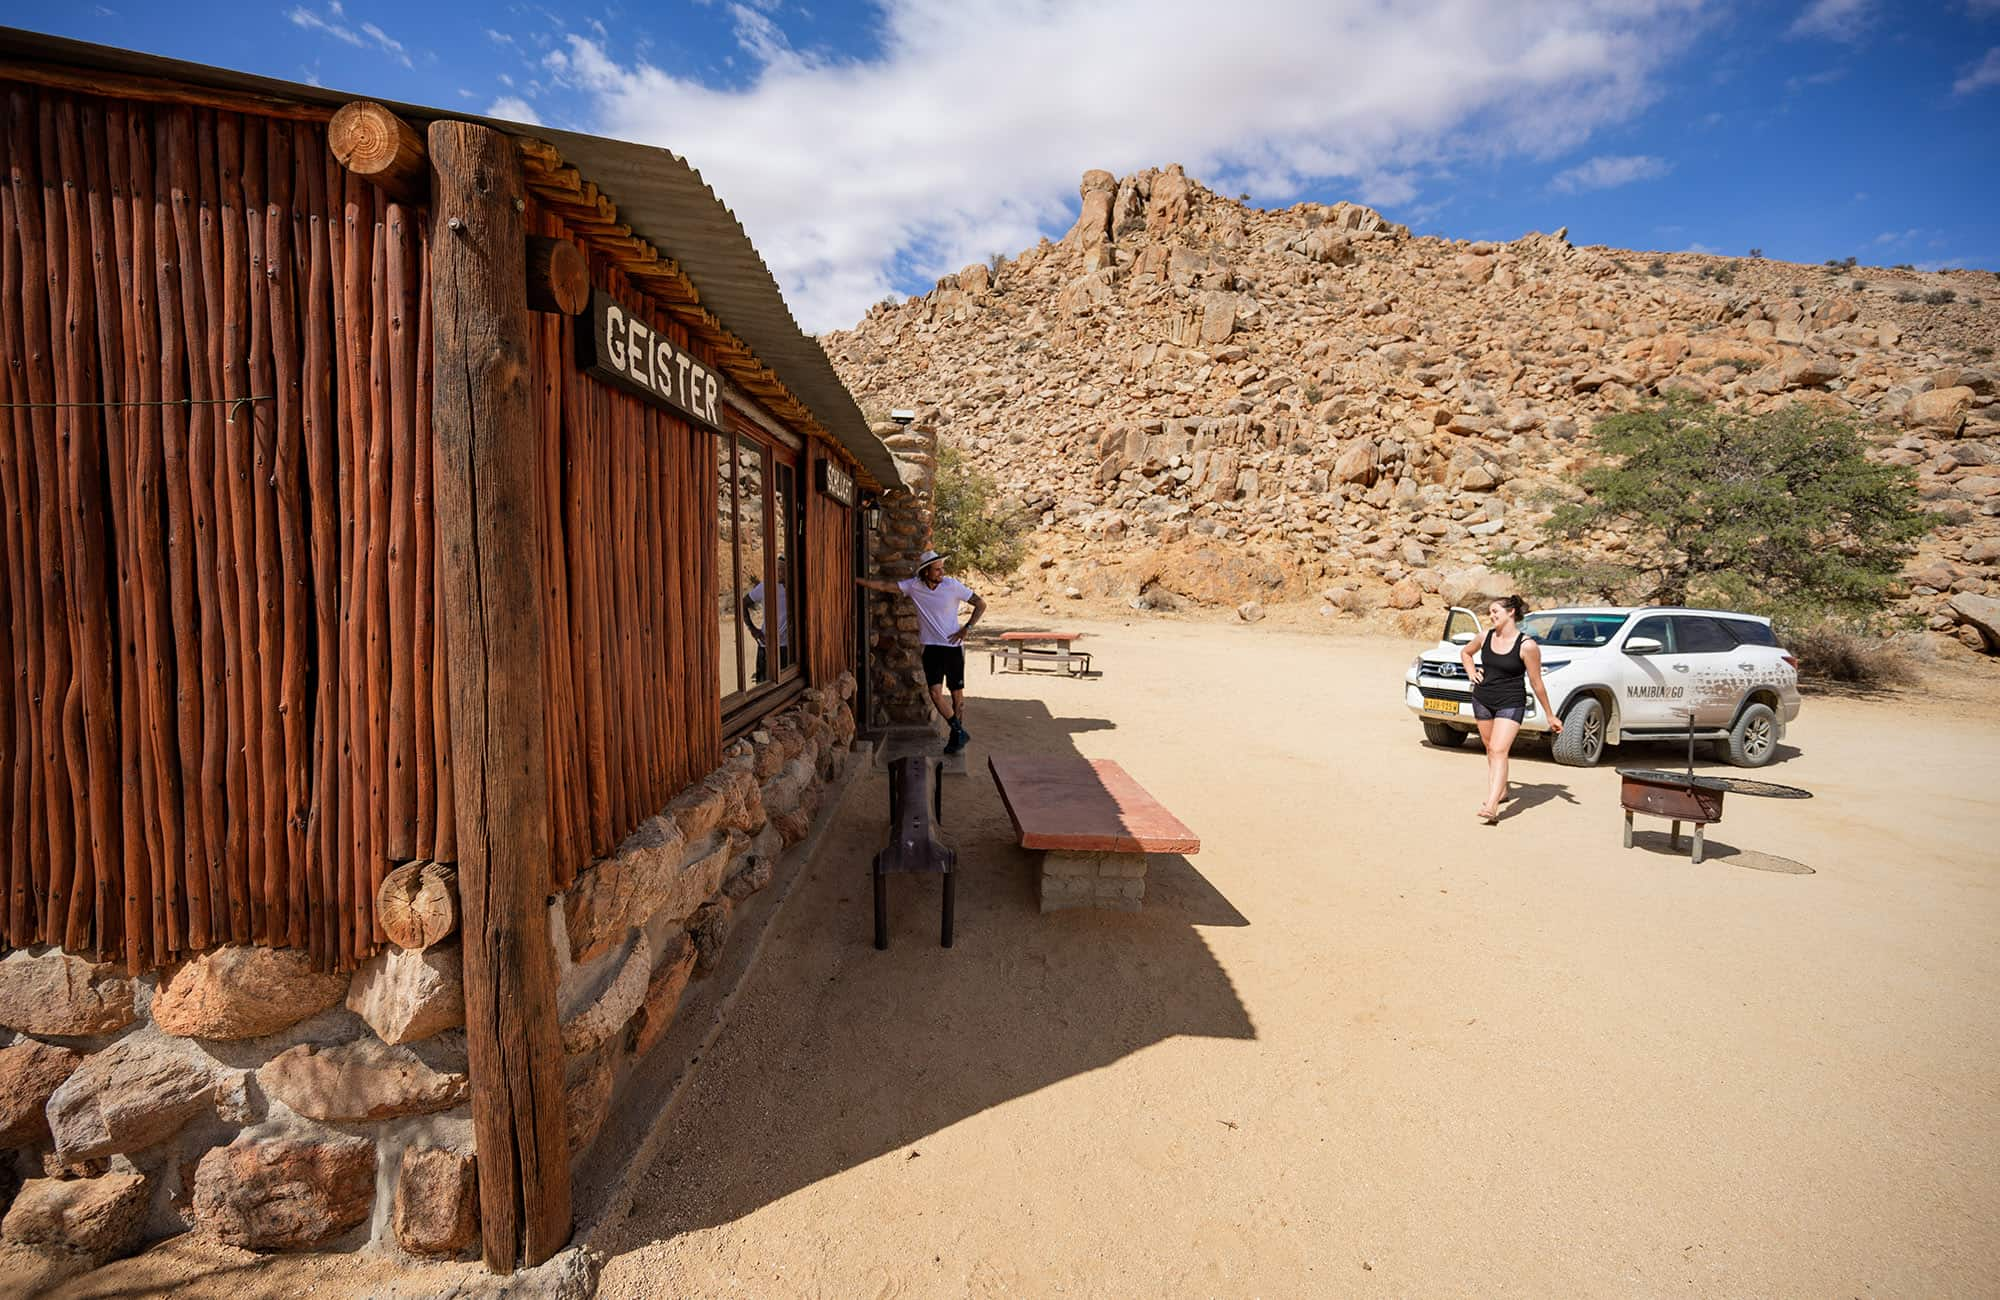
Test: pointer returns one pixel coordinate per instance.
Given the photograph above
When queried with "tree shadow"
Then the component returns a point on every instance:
(838, 1054)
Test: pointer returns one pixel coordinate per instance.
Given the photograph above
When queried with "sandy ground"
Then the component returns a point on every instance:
(1362, 1044)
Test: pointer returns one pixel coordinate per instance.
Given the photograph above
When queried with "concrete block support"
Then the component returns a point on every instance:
(1115, 881)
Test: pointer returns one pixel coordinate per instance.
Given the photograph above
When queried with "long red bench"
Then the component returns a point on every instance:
(1094, 825)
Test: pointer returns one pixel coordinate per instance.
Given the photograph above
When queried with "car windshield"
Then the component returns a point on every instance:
(1580, 630)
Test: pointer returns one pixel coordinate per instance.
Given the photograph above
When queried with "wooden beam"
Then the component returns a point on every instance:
(489, 538)
(380, 148)
(125, 85)
(558, 276)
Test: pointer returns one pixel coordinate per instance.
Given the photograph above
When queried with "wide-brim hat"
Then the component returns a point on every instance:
(928, 558)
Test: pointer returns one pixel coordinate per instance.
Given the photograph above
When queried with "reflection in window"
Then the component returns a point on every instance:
(784, 522)
(752, 557)
(730, 658)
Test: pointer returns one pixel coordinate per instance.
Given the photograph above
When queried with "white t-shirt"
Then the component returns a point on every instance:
(756, 597)
(937, 607)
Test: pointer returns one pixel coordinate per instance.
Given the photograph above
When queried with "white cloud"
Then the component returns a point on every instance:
(333, 25)
(1608, 172)
(968, 131)
(1836, 20)
(1987, 73)
(1699, 247)
(512, 108)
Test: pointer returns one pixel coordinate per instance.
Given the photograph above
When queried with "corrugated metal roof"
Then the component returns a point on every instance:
(662, 198)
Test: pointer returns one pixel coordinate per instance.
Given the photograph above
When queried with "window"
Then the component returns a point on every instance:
(1748, 632)
(1701, 636)
(756, 553)
(1658, 628)
(1573, 629)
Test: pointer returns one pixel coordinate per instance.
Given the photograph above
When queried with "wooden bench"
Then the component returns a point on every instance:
(916, 806)
(1093, 823)
(1019, 650)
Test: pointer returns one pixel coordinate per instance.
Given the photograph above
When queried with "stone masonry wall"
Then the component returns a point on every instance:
(895, 661)
(248, 1097)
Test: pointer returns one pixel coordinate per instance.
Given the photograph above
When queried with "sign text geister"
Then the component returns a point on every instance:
(624, 351)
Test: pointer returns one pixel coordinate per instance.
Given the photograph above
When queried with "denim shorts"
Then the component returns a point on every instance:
(1484, 714)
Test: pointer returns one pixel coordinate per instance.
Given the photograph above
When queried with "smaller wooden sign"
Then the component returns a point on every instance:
(836, 482)
(624, 351)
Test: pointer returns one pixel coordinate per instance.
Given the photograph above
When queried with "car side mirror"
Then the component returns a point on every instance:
(1461, 638)
(1642, 645)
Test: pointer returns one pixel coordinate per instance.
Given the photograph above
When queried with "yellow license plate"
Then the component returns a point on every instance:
(1432, 705)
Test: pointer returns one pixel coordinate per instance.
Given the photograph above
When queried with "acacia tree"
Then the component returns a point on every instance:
(970, 520)
(1781, 512)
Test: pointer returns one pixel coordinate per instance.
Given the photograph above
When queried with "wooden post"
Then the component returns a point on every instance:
(380, 148)
(418, 904)
(558, 276)
(489, 540)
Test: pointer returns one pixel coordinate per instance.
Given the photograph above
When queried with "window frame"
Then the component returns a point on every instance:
(742, 707)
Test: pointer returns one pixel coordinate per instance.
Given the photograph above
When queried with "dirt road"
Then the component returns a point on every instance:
(1362, 1044)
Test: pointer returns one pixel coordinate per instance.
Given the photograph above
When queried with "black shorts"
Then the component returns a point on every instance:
(945, 663)
(1485, 713)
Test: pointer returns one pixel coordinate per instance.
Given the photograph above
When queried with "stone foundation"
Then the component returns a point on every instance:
(1116, 881)
(244, 1095)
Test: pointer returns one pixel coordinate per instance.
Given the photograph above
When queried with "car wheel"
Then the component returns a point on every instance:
(1581, 742)
(1753, 741)
(1444, 735)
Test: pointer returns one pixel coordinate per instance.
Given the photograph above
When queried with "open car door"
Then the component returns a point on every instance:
(1461, 627)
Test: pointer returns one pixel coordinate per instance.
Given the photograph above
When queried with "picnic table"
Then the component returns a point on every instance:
(1094, 824)
(1018, 650)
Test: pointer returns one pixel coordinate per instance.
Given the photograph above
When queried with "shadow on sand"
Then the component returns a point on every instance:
(839, 1054)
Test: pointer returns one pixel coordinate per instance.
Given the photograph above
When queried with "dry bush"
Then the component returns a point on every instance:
(1843, 654)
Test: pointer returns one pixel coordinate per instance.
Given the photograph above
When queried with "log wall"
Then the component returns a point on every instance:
(224, 702)
(224, 713)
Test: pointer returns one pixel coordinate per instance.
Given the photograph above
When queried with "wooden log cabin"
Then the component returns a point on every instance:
(384, 488)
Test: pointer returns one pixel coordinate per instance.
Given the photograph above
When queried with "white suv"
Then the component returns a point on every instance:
(1628, 674)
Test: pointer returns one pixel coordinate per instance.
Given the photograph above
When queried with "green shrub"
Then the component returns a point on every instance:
(1725, 274)
(1757, 254)
(1939, 297)
(970, 521)
(1908, 295)
(1656, 267)
(1780, 512)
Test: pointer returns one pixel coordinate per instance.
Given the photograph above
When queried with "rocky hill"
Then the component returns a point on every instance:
(1203, 401)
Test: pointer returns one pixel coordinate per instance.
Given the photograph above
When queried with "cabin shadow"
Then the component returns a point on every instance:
(839, 1054)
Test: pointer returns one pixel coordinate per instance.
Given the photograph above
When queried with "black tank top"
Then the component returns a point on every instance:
(1505, 683)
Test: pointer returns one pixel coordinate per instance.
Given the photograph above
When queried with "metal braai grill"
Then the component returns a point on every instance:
(1683, 796)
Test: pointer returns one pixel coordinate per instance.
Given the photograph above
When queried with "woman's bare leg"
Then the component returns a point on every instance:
(1485, 726)
(1504, 731)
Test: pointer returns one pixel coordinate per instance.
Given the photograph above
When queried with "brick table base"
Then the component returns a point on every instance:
(1116, 881)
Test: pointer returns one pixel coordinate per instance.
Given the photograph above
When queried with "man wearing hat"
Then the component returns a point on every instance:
(937, 599)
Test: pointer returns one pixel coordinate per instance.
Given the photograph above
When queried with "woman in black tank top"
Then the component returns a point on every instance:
(1500, 682)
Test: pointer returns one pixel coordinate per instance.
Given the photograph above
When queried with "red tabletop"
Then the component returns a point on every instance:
(1040, 636)
(1085, 805)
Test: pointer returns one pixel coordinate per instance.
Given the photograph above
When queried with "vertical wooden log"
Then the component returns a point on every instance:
(89, 327)
(400, 304)
(376, 595)
(236, 546)
(490, 537)
(203, 728)
(110, 172)
(160, 766)
(43, 500)
(351, 332)
(423, 561)
(288, 423)
(259, 420)
(20, 754)
(322, 450)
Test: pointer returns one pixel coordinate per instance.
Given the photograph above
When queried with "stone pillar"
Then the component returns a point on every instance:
(895, 657)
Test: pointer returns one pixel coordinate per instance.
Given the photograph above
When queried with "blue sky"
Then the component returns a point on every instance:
(870, 148)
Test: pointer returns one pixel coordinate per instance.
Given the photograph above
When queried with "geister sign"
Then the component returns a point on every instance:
(627, 353)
